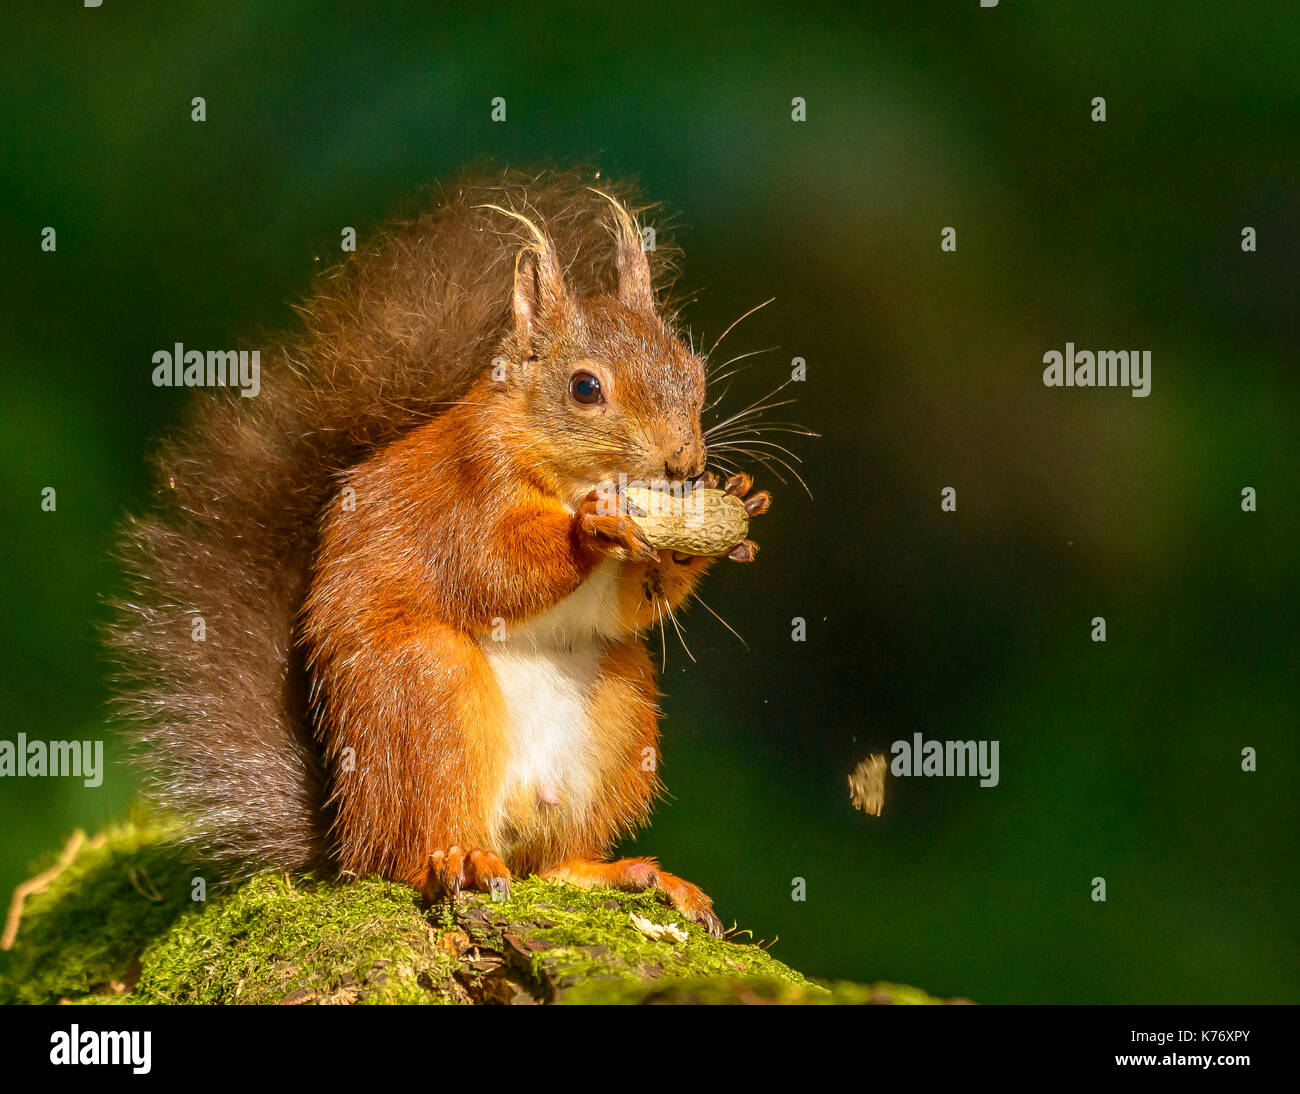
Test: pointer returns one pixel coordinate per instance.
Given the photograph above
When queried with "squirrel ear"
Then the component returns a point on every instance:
(536, 291)
(539, 284)
(635, 287)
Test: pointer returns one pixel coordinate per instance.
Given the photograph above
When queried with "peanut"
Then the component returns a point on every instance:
(696, 522)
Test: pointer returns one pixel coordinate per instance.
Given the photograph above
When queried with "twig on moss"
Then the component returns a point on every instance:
(39, 883)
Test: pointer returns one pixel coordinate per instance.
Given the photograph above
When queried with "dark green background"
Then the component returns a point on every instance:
(1119, 760)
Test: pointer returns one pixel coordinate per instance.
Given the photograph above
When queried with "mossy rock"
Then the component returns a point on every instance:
(118, 923)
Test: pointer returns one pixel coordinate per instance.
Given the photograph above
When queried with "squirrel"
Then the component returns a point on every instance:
(422, 650)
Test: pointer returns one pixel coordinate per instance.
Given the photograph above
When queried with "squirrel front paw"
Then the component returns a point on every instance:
(455, 869)
(604, 526)
(756, 504)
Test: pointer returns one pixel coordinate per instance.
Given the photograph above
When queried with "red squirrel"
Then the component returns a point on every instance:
(422, 650)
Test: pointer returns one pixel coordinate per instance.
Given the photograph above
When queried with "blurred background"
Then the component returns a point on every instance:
(1119, 760)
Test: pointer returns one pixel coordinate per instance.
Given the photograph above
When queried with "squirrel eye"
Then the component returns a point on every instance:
(585, 388)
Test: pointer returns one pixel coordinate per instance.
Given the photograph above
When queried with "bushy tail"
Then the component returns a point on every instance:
(210, 676)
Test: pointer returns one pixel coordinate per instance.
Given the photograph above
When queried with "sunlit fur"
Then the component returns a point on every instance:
(488, 681)
(350, 707)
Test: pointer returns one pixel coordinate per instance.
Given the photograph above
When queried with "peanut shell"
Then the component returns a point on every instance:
(696, 522)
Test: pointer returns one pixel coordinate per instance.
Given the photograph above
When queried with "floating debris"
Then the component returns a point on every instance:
(867, 784)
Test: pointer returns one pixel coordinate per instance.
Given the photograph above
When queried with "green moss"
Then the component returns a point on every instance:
(575, 938)
(88, 929)
(274, 940)
(120, 924)
(744, 990)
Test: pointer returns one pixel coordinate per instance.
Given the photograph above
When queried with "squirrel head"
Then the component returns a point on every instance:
(598, 386)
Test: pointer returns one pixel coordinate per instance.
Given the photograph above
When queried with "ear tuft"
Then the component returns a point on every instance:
(635, 288)
(539, 284)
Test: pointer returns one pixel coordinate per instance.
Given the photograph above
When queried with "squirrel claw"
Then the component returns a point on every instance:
(744, 552)
(690, 900)
(711, 923)
(756, 504)
(452, 870)
(604, 520)
(488, 873)
(739, 484)
(445, 870)
(637, 875)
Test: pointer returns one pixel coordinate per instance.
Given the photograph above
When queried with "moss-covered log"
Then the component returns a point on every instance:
(117, 921)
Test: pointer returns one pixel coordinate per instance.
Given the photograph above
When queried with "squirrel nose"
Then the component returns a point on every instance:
(684, 465)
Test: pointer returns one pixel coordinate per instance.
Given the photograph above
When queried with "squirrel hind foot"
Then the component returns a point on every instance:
(455, 869)
(637, 875)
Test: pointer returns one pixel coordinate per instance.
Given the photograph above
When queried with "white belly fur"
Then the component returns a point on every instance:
(547, 669)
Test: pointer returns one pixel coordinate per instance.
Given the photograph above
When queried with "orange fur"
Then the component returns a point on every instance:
(437, 637)
(438, 579)
(406, 590)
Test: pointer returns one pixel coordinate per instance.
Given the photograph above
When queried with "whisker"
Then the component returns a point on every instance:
(734, 360)
(763, 458)
(762, 402)
(724, 466)
(719, 618)
(677, 627)
(779, 427)
(748, 412)
(757, 429)
(716, 401)
(726, 332)
(768, 444)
